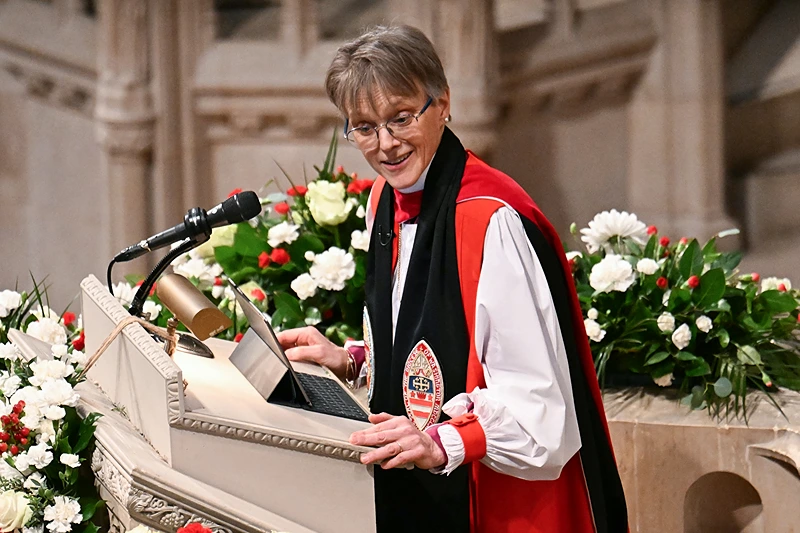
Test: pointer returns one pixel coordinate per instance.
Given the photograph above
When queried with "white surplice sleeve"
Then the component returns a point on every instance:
(526, 410)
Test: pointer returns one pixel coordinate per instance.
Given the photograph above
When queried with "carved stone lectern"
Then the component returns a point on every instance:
(189, 439)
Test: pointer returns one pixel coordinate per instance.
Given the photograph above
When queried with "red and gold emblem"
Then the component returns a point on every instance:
(423, 386)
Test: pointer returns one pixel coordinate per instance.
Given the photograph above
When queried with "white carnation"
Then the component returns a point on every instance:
(55, 412)
(592, 313)
(46, 432)
(37, 456)
(32, 418)
(573, 255)
(8, 472)
(771, 284)
(593, 330)
(309, 255)
(666, 322)
(360, 240)
(647, 266)
(124, 293)
(59, 350)
(34, 481)
(64, 512)
(682, 336)
(78, 358)
(613, 273)
(9, 351)
(611, 224)
(282, 233)
(305, 286)
(151, 310)
(9, 383)
(48, 330)
(704, 324)
(49, 370)
(9, 300)
(70, 459)
(59, 392)
(200, 272)
(332, 268)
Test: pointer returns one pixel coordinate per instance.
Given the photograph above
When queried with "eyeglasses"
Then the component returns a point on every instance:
(366, 137)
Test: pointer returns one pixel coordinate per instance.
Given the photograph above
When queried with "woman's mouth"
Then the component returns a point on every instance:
(394, 163)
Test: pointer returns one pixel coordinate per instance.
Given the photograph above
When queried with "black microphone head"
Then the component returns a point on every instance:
(240, 207)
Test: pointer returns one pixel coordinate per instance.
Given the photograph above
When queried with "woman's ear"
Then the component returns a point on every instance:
(444, 104)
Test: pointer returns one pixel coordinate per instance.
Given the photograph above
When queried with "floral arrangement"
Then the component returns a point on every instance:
(46, 482)
(682, 314)
(302, 261)
(194, 527)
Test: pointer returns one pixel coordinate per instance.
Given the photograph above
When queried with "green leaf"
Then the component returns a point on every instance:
(724, 337)
(698, 367)
(290, 306)
(723, 387)
(678, 298)
(656, 358)
(247, 242)
(86, 432)
(650, 249)
(90, 528)
(685, 356)
(89, 506)
(691, 262)
(749, 355)
(777, 301)
(728, 261)
(711, 289)
(698, 397)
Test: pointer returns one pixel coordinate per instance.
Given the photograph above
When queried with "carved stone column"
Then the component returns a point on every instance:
(125, 120)
(299, 26)
(676, 172)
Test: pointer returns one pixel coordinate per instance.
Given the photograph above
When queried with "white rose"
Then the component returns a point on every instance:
(332, 268)
(704, 324)
(59, 392)
(682, 336)
(593, 330)
(647, 266)
(70, 459)
(666, 322)
(360, 240)
(771, 284)
(304, 286)
(326, 201)
(222, 236)
(49, 370)
(55, 412)
(664, 381)
(59, 350)
(282, 233)
(665, 298)
(151, 310)
(48, 330)
(613, 273)
(8, 351)
(9, 300)
(124, 293)
(592, 313)
(64, 512)
(14, 510)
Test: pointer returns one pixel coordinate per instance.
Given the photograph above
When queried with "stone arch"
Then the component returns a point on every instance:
(722, 502)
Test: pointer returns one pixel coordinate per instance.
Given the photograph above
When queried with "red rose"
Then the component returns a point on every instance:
(756, 276)
(661, 282)
(280, 256)
(238, 337)
(693, 282)
(263, 260)
(68, 318)
(684, 240)
(282, 208)
(664, 241)
(79, 343)
(652, 230)
(258, 295)
(340, 169)
(781, 287)
(218, 281)
(234, 191)
(300, 190)
(194, 527)
(359, 186)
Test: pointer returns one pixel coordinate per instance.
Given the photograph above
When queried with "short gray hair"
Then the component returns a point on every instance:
(398, 60)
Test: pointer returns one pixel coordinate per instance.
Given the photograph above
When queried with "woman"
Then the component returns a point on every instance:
(488, 415)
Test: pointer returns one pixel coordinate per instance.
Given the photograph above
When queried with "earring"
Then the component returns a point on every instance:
(449, 118)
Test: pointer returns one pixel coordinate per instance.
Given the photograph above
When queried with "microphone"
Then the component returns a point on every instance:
(198, 221)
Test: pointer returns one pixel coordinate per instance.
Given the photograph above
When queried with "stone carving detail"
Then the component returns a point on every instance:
(168, 515)
(107, 474)
(61, 92)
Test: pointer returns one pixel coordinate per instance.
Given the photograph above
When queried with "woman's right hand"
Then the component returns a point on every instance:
(309, 345)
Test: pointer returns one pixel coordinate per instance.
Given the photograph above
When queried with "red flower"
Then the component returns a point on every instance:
(218, 281)
(652, 230)
(327, 314)
(756, 276)
(664, 241)
(258, 295)
(80, 343)
(661, 282)
(693, 282)
(194, 527)
(683, 240)
(300, 190)
(572, 263)
(359, 186)
(781, 287)
(238, 337)
(340, 169)
(234, 191)
(263, 260)
(282, 208)
(280, 256)
(68, 318)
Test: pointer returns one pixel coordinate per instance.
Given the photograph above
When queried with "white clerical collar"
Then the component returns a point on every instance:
(420, 183)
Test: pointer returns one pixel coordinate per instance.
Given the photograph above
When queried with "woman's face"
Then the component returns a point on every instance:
(401, 162)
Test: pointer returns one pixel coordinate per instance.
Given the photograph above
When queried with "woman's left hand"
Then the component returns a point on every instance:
(401, 444)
